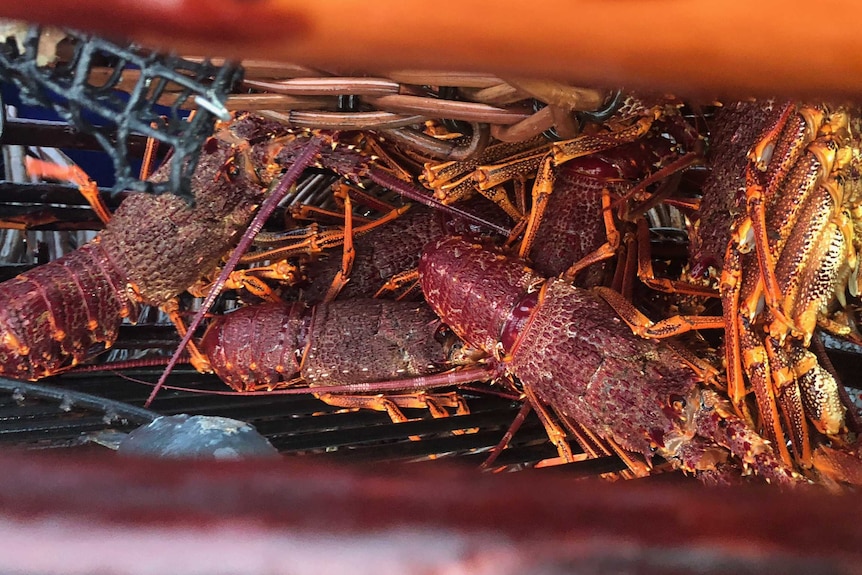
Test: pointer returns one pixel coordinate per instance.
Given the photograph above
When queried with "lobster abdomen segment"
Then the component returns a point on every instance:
(257, 346)
(53, 315)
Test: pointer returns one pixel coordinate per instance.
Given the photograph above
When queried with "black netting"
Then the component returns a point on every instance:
(92, 90)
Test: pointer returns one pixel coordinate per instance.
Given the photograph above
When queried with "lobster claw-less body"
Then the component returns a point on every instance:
(569, 349)
(153, 248)
(352, 341)
(359, 341)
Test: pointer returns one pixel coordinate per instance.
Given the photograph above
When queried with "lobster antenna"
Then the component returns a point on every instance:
(304, 159)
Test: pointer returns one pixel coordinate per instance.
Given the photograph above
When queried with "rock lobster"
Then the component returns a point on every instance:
(572, 353)
(153, 248)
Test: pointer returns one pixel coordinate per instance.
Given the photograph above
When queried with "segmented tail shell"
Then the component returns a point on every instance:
(256, 347)
(474, 287)
(53, 316)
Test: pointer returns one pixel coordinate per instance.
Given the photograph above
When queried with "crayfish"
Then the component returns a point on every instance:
(344, 342)
(153, 248)
(574, 357)
(782, 225)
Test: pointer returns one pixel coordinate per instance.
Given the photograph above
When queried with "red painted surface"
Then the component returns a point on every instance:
(145, 516)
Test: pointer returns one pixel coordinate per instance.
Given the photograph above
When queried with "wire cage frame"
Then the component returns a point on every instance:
(82, 91)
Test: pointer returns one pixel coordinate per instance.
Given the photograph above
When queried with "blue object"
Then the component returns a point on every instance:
(198, 436)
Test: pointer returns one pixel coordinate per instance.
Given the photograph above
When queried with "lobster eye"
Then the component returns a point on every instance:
(210, 146)
(443, 333)
(678, 402)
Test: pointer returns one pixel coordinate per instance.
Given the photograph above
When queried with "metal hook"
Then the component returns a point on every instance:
(612, 104)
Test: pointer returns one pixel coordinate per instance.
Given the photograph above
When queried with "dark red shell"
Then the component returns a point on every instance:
(391, 249)
(81, 295)
(579, 357)
(473, 287)
(163, 246)
(736, 129)
(380, 254)
(257, 346)
(53, 316)
(367, 340)
(574, 351)
(572, 226)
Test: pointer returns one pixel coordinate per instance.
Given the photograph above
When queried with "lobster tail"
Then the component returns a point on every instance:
(52, 316)
(255, 347)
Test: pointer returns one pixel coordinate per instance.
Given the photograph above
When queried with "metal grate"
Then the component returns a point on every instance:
(71, 410)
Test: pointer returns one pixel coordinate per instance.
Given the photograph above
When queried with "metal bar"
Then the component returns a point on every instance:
(45, 193)
(46, 133)
(77, 398)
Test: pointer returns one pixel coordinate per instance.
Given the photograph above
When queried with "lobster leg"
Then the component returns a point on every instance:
(556, 434)
(348, 256)
(252, 280)
(313, 213)
(786, 391)
(392, 404)
(435, 403)
(590, 144)
(606, 250)
(542, 188)
(75, 175)
(149, 159)
(398, 281)
(731, 277)
(647, 275)
(198, 360)
(745, 354)
(645, 327)
(283, 271)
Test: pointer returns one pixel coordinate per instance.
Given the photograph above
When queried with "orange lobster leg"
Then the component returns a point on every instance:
(591, 144)
(745, 354)
(398, 281)
(556, 434)
(75, 175)
(349, 254)
(731, 278)
(647, 275)
(542, 188)
(312, 244)
(606, 250)
(320, 215)
(645, 327)
(198, 360)
(786, 390)
(435, 403)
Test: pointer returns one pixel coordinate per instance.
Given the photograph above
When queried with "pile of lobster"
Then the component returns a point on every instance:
(553, 310)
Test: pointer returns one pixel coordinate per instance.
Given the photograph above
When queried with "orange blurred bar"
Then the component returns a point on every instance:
(733, 48)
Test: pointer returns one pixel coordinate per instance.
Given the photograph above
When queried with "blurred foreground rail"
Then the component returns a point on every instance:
(693, 48)
(280, 517)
